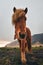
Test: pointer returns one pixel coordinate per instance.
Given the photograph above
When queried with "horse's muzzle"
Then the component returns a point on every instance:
(22, 36)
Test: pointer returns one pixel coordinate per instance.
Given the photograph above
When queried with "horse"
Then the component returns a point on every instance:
(22, 33)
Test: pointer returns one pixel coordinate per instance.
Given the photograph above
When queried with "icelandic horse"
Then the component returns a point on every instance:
(22, 33)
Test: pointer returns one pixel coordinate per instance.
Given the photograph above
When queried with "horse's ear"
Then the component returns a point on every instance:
(25, 10)
(14, 9)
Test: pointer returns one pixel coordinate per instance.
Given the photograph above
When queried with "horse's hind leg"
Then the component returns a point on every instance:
(26, 47)
(29, 45)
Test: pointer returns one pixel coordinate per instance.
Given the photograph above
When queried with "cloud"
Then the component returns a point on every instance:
(3, 43)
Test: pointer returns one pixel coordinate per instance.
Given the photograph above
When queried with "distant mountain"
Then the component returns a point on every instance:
(13, 44)
(37, 38)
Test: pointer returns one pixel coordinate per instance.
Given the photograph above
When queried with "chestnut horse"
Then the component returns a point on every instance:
(22, 33)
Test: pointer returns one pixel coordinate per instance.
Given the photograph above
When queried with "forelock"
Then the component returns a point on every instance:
(18, 13)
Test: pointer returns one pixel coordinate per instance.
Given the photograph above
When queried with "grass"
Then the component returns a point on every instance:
(11, 56)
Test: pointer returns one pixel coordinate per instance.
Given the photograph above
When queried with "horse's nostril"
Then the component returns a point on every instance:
(22, 36)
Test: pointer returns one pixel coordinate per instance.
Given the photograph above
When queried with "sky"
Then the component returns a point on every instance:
(34, 17)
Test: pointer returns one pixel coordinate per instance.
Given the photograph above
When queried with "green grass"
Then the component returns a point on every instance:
(37, 48)
(11, 56)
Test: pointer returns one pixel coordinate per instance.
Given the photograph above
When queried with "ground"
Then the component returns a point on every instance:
(11, 56)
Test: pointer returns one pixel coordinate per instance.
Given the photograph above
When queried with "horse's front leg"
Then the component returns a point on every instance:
(23, 57)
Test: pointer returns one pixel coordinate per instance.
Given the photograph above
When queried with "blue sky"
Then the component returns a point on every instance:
(34, 16)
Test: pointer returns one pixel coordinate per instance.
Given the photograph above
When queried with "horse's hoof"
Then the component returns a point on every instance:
(23, 60)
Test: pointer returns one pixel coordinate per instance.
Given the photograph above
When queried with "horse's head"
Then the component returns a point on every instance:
(19, 20)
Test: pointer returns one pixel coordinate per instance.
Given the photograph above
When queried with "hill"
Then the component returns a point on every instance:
(37, 38)
(13, 44)
(37, 44)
